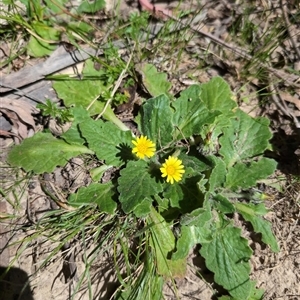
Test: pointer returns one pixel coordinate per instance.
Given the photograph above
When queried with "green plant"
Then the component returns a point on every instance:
(45, 23)
(136, 24)
(94, 92)
(51, 109)
(219, 150)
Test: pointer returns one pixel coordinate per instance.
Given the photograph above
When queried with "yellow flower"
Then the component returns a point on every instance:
(172, 169)
(143, 147)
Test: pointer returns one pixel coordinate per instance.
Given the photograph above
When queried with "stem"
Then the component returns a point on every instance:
(109, 115)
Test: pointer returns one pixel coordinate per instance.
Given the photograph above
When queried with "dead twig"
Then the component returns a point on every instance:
(288, 27)
(275, 94)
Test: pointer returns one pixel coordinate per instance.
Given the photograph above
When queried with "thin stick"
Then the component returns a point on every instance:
(288, 25)
(283, 107)
(21, 93)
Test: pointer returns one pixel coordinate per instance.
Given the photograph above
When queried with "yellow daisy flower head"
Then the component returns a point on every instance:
(143, 147)
(173, 169)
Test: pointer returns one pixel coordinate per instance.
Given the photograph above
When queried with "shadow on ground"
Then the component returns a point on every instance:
(14, 284)
(286, 152)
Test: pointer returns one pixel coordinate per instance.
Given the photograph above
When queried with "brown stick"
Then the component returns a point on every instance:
(288, 25)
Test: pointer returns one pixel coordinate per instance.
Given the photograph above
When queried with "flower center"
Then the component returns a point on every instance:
(142, 148)
(171, 170)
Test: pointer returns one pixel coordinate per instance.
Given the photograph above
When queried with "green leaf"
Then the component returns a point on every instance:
(245, 138)
(246, 175)
(198, 217)
(91, 7)
(162, 241)
(143, 208)
(227, 255)
(189, 237)
(256, 294)
(100, 194)
(55, 8)
(156, 120)
(218, 174)
(82, 92)
(202, 186)
(43, 152)
(163, 204)
(156, 83)
(196, 228)
(136, 184)
(216, 129)
(191, 113)
(35, 9)
(223, 204)
(198, 164)
(185, 195)
(216, 95)
(73, 134)
(252, 213)
(38, 47)
(80, 27)
(108, 141)
(98, 172)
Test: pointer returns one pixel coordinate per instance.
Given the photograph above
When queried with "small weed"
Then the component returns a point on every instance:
(62, 115)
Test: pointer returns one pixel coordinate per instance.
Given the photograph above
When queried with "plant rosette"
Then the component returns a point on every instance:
(196, 153)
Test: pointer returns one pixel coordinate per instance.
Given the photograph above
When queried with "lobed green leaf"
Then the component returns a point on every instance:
(136, 185)
(228, 255)
(107, 141)
(196, 228)
(191, 114)
(245, 175)
(252, 213)
(156, 120)
(245, 138)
